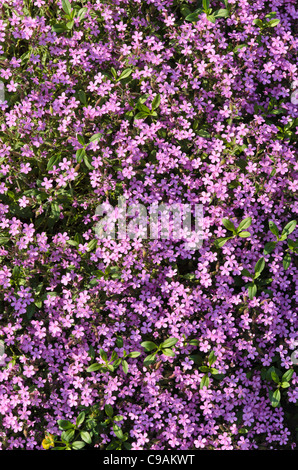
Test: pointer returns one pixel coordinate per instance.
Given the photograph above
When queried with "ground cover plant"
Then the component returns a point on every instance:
(144, 343)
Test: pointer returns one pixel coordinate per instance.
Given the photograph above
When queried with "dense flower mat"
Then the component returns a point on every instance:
(143, 343)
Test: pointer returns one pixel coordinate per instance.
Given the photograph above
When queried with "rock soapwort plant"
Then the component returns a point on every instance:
(132, 340)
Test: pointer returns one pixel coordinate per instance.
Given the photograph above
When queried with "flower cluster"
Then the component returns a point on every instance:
(157, 102)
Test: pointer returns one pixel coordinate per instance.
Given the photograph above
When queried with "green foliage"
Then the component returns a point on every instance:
(208, 369)
(87, 430)
(210, 14)
(292, 247)
(165, 348)
(281, 381)
(269, 22)
(256, 283)
(112, 363)
(239, 231)
(144, 111)
(125, 74)
(69, 16)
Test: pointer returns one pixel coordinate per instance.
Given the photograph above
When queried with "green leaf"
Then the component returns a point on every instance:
(168, 343)
(273, 23)
(260, 265)
(114, 73)
(70, 24)
(286, 262)
(236, 49)
(92, 245)
(103, 355)
(55, 209)
(275, 377)
(285, 385)
(82, 12)
(141, 115)
(142, 107)
(80, 419)
(125, 74)
(221, 13)
(292, 244)
(94, 367)
(81, 139)
(211, 18)
(246, 273)
(91, 352)
(185, 10)
(134, 354)
(149, 345)
(168, 352)
(124, 366)
(273, 228)
(64, 425)
(196, 358)
(258, 23)
(273, 172)
(287, 375)
(118, 418)
(68, 435)
(274, 398)
(80, 155)
(220, 242)
(149, 359)
(129, 114)
(143, 98)
(78, 238)
(66, 7)
(243, 431)
(218, 376)
(269, 247)
(30, 310)
(58, 28)
(229, 225)
(252, 290)
(204, 369)
(11, 195)
(54, 160)
(4, 240)
(244, 234)
(112, 445)
(77, 445)
(203, 133)
(82, 97)
(114, 356)
(193, 17)
(96, 137)
(206, 4)
(86, 161)
(118, 432)
(85, 435)
(212, 358)
(109, 410)
(266, 282)
(155, 102)
(204, 382)
(245, 223)
(194, 342)
(271, 15)
(289, 228)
